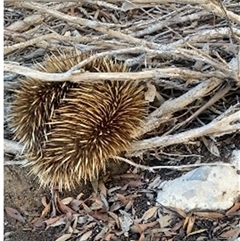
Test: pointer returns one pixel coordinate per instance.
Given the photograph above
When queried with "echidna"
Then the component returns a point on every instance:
(70, 130)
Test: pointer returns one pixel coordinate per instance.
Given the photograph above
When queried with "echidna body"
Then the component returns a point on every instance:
(72, 129)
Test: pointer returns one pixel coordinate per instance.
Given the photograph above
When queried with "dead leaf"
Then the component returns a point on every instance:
(210, 145)
(75, 204)
(233, 209)
(79, 196)
(109, 237)
(102, 188)
(150, 93)
(44, 201)
(179, 211)
(177, 226)
(124, 188)
(135, 183)
(67, 200)
(64, 237)
(100, 216)
(37, 222)
(197, 232)
(167, 231)
(82, 219)
(102, 234)
(232, 233)
(211, 215)
(86, 208)
(86, 236)
(68, 33)
(115, 217)
(98, 204)
(104, 201)
(128, 6)
(149, 213)
(190, 225)
(137, 227)
(155, 183)
(142, 237)
(121, 198)
(126, 222)
(111, 190)
(46, 210)
(129, 205)
(75, 222)
(144, 226)
(53, 222)
(69, 216)
(63, 208)
(130, 176)
(186, 220)
(116, 206)
(13, 213)
(164, 221)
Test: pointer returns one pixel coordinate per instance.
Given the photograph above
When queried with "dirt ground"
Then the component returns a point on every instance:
(22, 193)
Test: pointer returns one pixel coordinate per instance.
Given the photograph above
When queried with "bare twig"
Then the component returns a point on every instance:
(217, 126)
(180, 168)
(9, 49)
(24, 24)
(10, 163)
(104, 28)
(171, 106)
(221, 93)
(71, 75)
(12, 147)
(216, 9)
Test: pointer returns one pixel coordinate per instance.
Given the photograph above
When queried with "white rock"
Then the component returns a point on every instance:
(205, 188)
(235, 159)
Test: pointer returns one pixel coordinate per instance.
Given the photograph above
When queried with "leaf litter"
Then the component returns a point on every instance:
(15, 214)
(114, 213)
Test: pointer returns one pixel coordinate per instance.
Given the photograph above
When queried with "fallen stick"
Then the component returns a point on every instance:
(217, 127)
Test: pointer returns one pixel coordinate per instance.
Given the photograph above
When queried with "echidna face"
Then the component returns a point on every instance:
(83, 125)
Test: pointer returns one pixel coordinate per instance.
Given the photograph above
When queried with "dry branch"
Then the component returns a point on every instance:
(216, 127)
(116, 76)
(179, 168)
(13, 147)
(216, 9)
(101, 27)
(152, 26)
(24, 24)
(185, 43)
(220, 94)
(20, 163)
(171, 106)
(51, 36)
(207, 4)
(9, 49)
